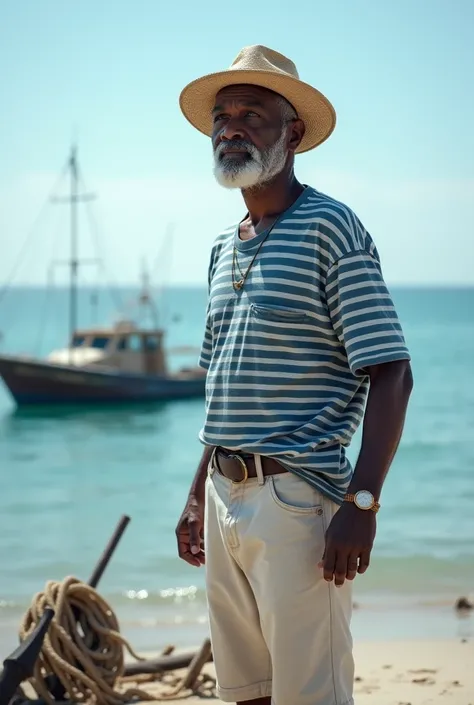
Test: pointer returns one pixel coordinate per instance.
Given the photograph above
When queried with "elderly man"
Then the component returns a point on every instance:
(302, 342)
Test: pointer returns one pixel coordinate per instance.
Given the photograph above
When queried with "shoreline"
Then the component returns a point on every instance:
(149, 630)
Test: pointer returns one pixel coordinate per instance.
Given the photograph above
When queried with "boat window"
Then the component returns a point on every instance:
(135, 343)
(78, 340)
(100, 342)
(122, 344)
(152, 342)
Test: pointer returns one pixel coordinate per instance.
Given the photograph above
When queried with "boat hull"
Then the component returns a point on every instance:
(33, 383)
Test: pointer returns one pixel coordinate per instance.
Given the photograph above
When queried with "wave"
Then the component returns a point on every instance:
(166, 597)
(419, 580)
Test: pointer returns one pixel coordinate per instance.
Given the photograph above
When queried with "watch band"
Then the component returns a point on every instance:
(352, 498)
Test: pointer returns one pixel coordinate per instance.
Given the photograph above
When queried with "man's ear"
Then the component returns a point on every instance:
(296, 134)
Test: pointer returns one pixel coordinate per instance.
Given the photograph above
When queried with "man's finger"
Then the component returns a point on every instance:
(194, 536)
(329, 563)
(195, 561)
(183, 536)
(341, 569)
(364, 561)
(184, 552)
(352, 566)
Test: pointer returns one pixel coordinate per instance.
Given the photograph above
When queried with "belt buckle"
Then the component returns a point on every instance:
(235, 456)
(242, 462)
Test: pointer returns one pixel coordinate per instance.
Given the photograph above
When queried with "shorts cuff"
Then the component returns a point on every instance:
(247, 692)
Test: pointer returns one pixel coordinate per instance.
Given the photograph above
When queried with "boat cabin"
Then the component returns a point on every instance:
(123, 347)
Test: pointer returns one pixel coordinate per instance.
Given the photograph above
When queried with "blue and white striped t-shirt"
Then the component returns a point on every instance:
(286, 355)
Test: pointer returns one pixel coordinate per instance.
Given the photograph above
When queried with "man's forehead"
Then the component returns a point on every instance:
(246, 93)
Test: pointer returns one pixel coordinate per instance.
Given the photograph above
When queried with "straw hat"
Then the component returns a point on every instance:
(261, 66)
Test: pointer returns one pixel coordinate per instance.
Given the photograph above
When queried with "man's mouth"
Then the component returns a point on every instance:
(240, 157)
(233, 151)
(236, 149)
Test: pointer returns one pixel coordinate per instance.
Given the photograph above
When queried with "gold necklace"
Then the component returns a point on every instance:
(238, 284)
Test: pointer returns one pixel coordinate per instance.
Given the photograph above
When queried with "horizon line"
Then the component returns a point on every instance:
(195, 285)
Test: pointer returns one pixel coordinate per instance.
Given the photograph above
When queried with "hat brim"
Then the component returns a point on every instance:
(197, 101)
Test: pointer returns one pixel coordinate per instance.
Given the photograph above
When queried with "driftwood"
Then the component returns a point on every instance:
(197, 664)
(162, 664)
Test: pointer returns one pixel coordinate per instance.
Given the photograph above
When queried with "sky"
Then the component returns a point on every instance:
(108, 74)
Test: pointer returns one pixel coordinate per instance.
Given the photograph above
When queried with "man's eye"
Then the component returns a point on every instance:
(223, 116)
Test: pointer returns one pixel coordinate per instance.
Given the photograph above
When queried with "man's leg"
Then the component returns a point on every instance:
(305, 620)
(241, 657)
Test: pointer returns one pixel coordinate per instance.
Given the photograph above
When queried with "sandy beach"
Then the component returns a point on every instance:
(406, 673)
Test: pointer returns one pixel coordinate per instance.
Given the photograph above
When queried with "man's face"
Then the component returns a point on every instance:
(249, 138)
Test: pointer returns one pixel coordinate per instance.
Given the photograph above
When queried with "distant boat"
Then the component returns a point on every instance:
(121, 363)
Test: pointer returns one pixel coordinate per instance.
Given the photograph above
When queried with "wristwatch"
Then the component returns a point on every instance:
(363, 499)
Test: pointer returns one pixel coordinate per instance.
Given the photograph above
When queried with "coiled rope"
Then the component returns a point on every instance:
(84, 649)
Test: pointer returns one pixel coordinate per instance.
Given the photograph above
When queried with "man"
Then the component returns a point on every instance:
(301, 335)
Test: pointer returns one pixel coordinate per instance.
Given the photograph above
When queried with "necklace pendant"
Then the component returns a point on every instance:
(239, 284)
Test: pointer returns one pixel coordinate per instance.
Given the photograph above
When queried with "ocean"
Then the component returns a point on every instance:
(67, 475)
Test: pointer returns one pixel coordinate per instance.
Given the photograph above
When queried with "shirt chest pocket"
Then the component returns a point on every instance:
(268, 313)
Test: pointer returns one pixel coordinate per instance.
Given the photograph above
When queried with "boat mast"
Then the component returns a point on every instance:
(146, 298)
(73, 199)
(74, 263)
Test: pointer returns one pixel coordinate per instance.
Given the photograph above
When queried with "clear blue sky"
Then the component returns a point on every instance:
(402, 156)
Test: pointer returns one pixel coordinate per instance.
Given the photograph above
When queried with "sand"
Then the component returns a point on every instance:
(406, 672)
(392, 673)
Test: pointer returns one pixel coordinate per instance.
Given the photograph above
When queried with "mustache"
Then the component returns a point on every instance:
(231, 145)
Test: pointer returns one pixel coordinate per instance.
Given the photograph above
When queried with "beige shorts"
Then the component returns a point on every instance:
(277, 628)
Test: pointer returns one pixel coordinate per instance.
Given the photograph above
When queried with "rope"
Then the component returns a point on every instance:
(84, 649)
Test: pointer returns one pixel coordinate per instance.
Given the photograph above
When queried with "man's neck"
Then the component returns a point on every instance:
(269, 201)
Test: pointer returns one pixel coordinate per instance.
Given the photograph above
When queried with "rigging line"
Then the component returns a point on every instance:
(162, 264)
(164, 252)
(50, 286)
(94, 227)
(55, 222)
(44, 313)
(110, 284)
(29, 237)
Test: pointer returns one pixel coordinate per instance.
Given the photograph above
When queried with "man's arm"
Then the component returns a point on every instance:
(389, 392)
(199, 481)
(190, 528)
(351, 533)
(366, 323)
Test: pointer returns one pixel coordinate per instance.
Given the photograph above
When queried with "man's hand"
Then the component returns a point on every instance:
(190, 532)
(349, 540)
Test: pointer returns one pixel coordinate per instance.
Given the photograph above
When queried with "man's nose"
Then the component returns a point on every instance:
(232, 130)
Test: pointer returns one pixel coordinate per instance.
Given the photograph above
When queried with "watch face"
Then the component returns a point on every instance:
(364, 499)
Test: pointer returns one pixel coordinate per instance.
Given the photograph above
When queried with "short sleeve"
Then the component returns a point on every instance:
(362, 312)
(206, 348)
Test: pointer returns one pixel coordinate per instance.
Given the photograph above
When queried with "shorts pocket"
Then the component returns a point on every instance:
(291, 493)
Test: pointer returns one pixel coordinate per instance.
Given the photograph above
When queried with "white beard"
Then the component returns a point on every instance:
(255, 171)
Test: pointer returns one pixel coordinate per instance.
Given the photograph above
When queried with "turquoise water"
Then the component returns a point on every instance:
(68, 475)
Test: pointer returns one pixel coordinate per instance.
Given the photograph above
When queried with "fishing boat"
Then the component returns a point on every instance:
(121, 363)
